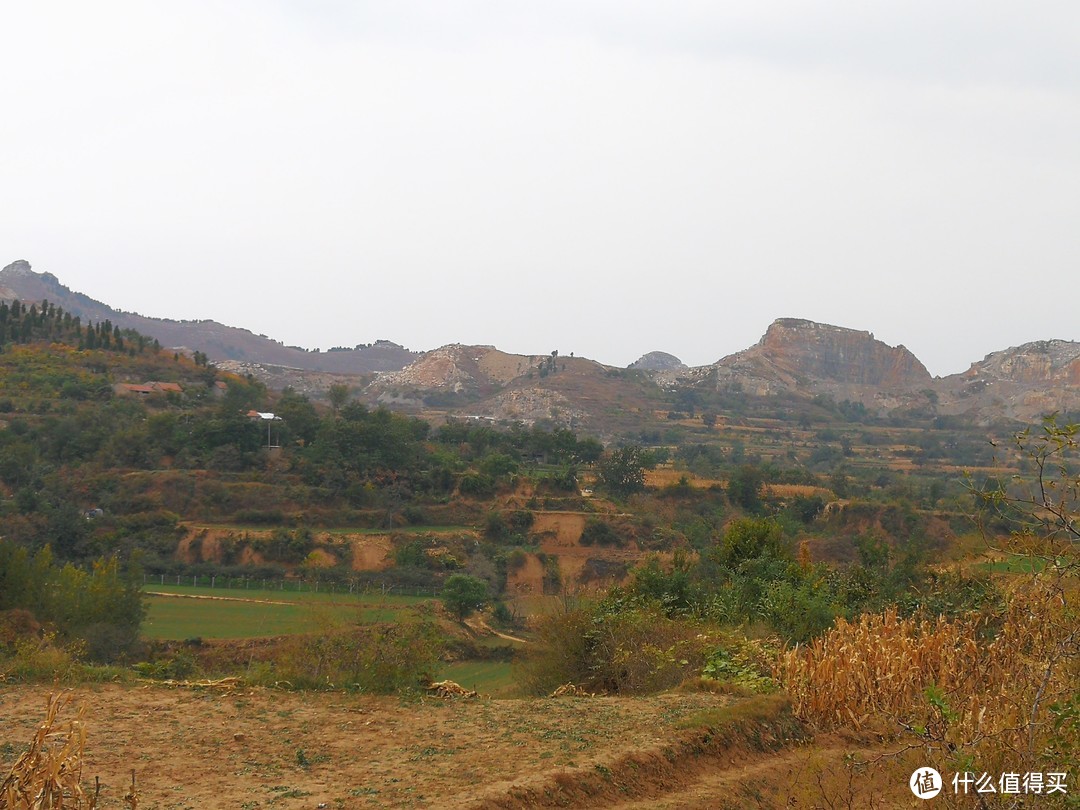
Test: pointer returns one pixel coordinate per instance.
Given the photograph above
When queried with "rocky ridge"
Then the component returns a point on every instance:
(658, 361)
(1022, 382)
(795, 357)
(808, 358)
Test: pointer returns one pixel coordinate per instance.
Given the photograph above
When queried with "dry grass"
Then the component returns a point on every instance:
(879, 665)
(666, 476)
(48, 776)
(976, 701)
(796, 490)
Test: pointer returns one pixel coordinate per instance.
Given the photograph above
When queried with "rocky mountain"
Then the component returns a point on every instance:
(795, 359)
(658, 361)
(484, 383)
(799, 348)
(1021, 382)
(807, 359)
(218, 341)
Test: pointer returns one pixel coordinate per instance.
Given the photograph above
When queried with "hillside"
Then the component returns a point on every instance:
(806, 359)
(179, 522)
(796, 361)
(216, 340)
(1022, 383)
(484, 383)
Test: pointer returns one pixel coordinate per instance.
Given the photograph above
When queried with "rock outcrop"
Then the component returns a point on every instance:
(805, 358)
(795, 357)
(816, 350)
(1043, 362)
(459, 369)
(1022, 382)
(658, 361)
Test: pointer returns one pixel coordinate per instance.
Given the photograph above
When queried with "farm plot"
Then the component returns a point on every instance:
(223, 613)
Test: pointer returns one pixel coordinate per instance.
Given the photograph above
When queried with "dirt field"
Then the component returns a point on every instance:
(193, 748)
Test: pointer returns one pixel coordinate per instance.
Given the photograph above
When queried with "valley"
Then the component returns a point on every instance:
(652, 577)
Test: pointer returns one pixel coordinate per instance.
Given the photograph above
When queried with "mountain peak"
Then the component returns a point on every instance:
(1041, 362)
(218, 341)
(835, 353)
(658, 361)
(19, 267)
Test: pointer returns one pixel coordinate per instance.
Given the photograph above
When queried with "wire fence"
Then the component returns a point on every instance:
(365, 588)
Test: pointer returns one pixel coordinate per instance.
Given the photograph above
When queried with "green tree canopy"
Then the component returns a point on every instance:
(622, 471)
(463, 595)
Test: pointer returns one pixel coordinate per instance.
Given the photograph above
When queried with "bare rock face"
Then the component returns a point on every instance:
(1023, 382)
(841, 355)
(14, 276)
(797, 355)
(531, 405)
(1043, 362)
(808, 359)
(459, 368)
(658, 361)
(19, 267)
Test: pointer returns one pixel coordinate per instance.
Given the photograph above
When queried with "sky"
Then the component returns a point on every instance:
(603, 177)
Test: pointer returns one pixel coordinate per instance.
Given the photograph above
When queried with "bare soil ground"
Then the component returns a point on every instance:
(256, 748)
(560, 530)
(528, 579)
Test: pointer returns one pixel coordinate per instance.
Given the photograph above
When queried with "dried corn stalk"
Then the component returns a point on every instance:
(48, 776)
(449, 690)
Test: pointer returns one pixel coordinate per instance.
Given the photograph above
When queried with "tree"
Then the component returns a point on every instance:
(301, 418)
(744, 488)
(751, 539)
(338, 395)
(463, 595)
(1049, 505)
(623, 470)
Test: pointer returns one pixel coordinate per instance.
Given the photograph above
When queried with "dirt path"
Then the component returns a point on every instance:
(763, 781)
(510, 638)
(218, 598)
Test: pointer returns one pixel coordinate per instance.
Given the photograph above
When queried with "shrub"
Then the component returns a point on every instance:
(601, 648)
(496, 527)
(286, 546)
(378, 659)
(478, 485)
(601, 533)
(40, 658)
(742, 662)
(521, 520)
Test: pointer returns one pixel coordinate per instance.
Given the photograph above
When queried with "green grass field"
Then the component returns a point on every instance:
(491, 678)
(239, 615)
(264, 529)
(1015, 564)
(371, 597)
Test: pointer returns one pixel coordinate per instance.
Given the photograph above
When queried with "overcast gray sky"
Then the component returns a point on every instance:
(598, 176)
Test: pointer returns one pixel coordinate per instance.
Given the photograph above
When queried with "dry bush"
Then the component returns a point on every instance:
(40, 657)
(878, 665)
(630, 651)
(378, 658)
(986, 705)
(48, 776)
